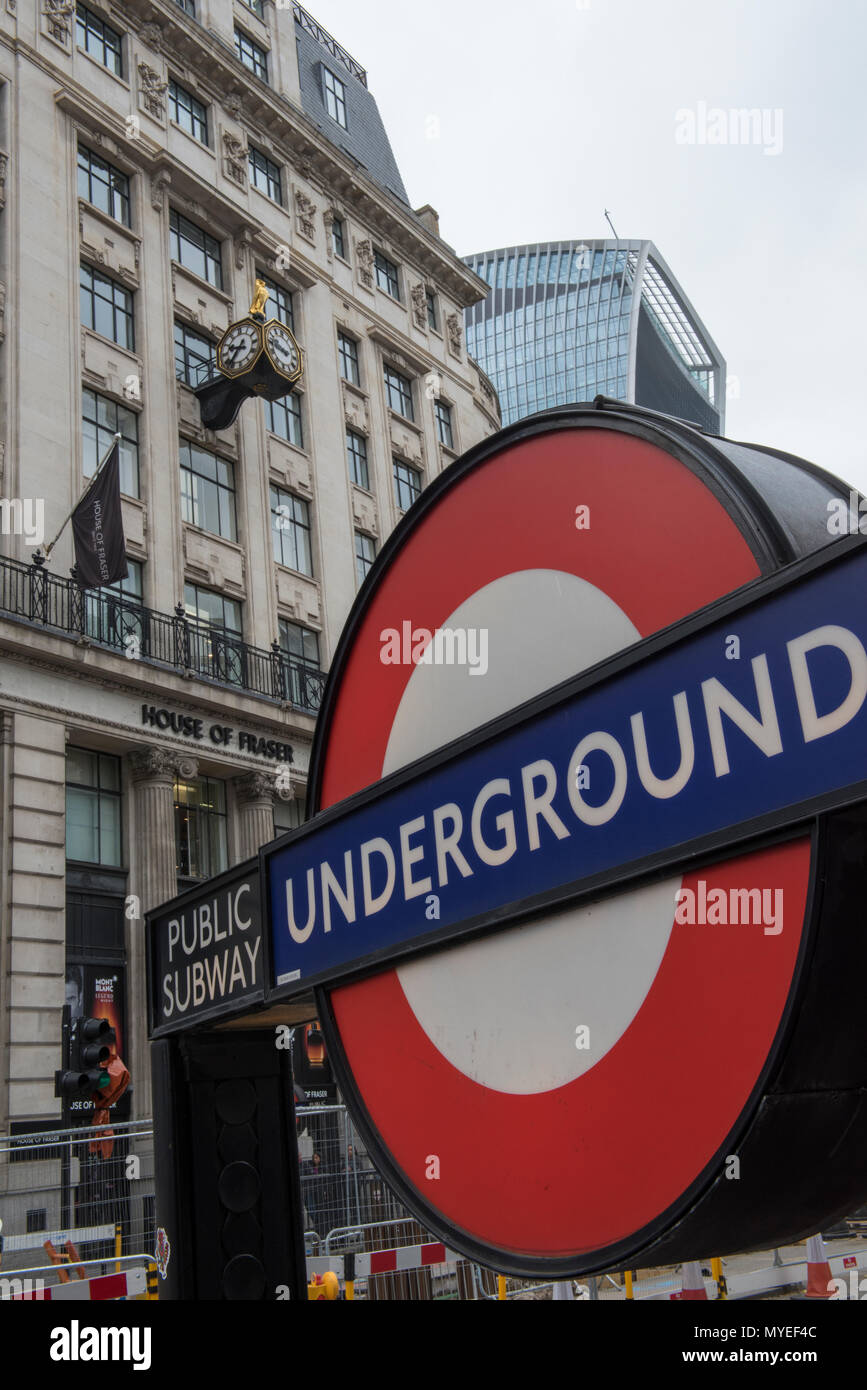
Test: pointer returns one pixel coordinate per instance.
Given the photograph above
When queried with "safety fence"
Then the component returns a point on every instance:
(76, 1205)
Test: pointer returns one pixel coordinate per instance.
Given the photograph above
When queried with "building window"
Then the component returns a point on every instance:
(281, 303)
(106, 307)
(93, 800)
(386, 275)
(407, 484)
(356, 454)
(300, 648)
(216, 636)
(98, 39)
(290, 531)
(102, 185)
(256, 7)
(335, 97)
(114, 613)
(288, 815)
(348, 350)
(365, 554)
(101, 419)
(338, 237)
(398, 390)
(188, 6)
(283, 418)
(444, 424)
(195, 356)
(188, 112)
(265, 175)
(208, 491)
(193, 248)
(200, 828)
(252, 55)
(209, 609)
(431, 302)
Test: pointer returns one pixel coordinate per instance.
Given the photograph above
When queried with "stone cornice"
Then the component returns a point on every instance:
(229, 763)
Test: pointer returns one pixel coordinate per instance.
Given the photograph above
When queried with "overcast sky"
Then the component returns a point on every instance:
(550, 111)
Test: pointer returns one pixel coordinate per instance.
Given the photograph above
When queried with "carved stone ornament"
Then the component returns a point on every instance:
(233, 104)
(328, 217)
(152, 90)
(160, 183)
(243, 242)
(154, 765)
(58, 14)
(364, 254)
(152, 35)
(456, 333)
(235, 157)
(305, 210)
(418, 294)
(4, 169)
(256, 786)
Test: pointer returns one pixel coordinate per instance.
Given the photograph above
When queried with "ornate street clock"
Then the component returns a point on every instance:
(255, 357)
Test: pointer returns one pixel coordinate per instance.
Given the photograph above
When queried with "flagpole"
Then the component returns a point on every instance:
(115, 440)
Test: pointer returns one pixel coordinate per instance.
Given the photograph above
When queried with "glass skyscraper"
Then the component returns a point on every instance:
(566, 321)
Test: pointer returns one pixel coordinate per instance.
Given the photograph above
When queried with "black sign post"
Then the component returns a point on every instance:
(226, 1148)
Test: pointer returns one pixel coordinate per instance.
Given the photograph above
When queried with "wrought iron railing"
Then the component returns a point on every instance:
(334, 48)
(34, 595)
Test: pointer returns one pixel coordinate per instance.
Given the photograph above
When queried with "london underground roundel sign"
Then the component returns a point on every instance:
(674, 1065)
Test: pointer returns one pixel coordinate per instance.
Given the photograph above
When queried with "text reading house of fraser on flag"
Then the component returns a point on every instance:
(684, 744)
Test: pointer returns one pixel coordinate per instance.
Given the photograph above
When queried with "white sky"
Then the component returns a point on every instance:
(551, 110)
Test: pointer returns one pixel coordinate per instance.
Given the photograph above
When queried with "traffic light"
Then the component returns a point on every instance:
(90, 1044)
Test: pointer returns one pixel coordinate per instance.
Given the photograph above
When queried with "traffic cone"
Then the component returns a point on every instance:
(691, 1282)
(819, 1277)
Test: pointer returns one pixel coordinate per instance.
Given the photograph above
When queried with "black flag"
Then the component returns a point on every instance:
(97, 524)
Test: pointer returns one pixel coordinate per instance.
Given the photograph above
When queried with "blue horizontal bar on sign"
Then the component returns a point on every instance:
(748, 716)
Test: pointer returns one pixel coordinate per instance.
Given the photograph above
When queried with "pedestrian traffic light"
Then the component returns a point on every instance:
(90, 1044)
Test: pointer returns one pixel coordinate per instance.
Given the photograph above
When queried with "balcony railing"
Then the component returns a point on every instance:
(34, 596)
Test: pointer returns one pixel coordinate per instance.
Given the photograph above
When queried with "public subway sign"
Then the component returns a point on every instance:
(205, 952)
(749, 715)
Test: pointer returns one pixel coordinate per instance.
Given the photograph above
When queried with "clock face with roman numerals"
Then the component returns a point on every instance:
(283, 350)
(239, 349)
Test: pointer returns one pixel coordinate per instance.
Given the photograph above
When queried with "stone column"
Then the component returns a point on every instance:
(255, 796)
(153, 881)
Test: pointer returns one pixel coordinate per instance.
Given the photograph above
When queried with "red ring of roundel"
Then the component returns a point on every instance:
(554, 1174)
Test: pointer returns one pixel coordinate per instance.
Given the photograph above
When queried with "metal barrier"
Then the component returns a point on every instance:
(57, 1189)
(339, 1184)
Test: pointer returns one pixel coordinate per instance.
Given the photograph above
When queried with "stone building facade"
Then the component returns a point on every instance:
(156, 156)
